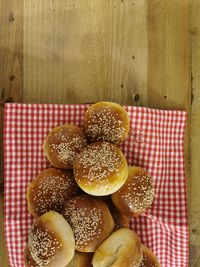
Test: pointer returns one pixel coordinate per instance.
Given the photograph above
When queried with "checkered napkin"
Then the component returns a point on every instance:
(156, 142)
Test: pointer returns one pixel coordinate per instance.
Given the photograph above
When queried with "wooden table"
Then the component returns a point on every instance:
(133, 52)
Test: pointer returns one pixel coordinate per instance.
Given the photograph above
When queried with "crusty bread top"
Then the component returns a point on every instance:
(106, 121)
(62, 144)
(137, 194)
(149, 258)
(51, 240)
(100, 169)
(28, 260)
(121, 248)
(81, 259)
(50, 190)
(90, 220)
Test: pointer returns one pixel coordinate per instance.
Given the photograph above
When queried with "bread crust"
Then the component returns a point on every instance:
(50, 190)
(149, 258)
(136, 195)
(122, 248)
(90, 220)
(51, 240)
(106, 121)
(62, 144)
(100, 169)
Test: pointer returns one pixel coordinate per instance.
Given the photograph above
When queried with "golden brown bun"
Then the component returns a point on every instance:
(62, 145)
(149, 258)
(136, 195)
(28, 260)
(100, 169)
(106, 121)
(90, 220)
(81, 259)
(50, 190)
(51, 240)
(120, 219)
(121, 248)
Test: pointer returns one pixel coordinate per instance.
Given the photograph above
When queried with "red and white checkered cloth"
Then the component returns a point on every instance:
(156, 143)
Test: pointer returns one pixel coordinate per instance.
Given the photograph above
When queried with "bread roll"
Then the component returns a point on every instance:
(50, 190)
(149, 258)
(121, 248)
(120, 219)
(51, 241)
(100, 169)
(28, 260)
(106, 121)
(136, 195)
(81, 259)
(90, 220)
(62, 145)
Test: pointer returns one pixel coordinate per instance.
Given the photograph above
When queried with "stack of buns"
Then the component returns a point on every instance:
(82, 204)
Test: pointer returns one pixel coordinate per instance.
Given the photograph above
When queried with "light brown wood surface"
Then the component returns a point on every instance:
(139, 52)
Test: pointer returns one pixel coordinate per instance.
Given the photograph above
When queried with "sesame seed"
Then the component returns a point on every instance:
(85, 222)
(42, 244)
(97, 162)
(105, 124)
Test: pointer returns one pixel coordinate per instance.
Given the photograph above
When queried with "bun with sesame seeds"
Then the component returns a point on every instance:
(81, 259)
(51, 241)
(149, 258)
(62, 144)
(121, 248)
(106, 121)
(136, 195)
(50, 190)
(28, 260)
(100, 169)
(90, 220)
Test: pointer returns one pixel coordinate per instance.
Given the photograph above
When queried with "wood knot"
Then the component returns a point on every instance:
(11, 17)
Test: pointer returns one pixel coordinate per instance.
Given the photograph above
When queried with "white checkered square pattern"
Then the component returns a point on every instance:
(156, 142)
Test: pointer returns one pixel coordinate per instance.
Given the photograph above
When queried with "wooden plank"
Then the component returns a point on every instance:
(169, 64)
(169, 81)
(11, 81)
(195, 140)
(79, 51)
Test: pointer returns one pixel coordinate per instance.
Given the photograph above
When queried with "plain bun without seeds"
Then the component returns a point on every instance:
(121, 249)
(100, 169)
(90, 220)
(81, 259)
(51, 241)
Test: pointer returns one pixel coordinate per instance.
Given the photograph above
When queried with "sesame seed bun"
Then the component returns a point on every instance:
(90, 221)
(121, 248)
(136, 195)
(100, 169)
(62, 144)
(28, 260)
(81, 259)
(106, 121)
(50, 190)
(149, 258)
(51, 240)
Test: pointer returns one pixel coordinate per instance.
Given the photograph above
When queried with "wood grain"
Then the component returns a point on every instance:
(85, 51)
(195, 140)
(132, 52)
(169, 64)
(11, 79)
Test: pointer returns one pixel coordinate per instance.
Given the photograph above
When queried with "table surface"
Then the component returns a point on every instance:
(144, 53)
